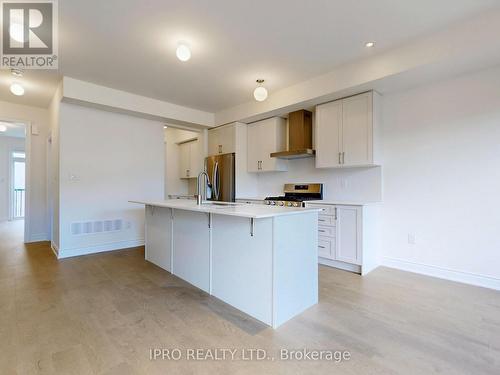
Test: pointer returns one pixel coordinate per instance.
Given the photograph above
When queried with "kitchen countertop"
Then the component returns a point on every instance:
(256, 211)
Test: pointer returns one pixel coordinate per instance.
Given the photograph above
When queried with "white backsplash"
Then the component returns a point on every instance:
(358, 184)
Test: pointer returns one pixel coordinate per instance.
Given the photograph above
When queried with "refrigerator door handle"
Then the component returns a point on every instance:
(216, 180)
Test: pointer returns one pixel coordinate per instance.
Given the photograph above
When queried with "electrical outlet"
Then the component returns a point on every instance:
(411, 239)
(128, 225)
(343, 183)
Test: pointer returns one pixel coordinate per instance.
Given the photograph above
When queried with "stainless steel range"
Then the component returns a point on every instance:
(296, 195)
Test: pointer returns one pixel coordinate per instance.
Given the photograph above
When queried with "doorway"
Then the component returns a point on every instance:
(18, 185)
(14, 177)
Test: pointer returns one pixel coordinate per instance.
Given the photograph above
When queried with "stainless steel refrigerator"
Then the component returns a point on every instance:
(221, 175)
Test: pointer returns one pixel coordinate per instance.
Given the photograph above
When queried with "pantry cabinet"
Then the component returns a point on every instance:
(263, 138)
(346, 132)
(190, 159)
(222, 140)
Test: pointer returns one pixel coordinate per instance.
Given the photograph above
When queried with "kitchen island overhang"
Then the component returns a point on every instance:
(261, 260)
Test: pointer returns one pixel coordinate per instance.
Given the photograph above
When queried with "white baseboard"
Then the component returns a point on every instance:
(442, 273)
(110, 246)
(336, 264)
(38, 237)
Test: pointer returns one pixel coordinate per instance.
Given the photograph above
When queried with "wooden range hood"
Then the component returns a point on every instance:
(299, 136)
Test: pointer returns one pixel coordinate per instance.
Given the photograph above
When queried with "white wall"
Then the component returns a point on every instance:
(442, 179)
(7, 145)
(106, 159)
(38, 223)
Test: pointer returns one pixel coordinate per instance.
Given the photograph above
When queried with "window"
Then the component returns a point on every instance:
(18, 184)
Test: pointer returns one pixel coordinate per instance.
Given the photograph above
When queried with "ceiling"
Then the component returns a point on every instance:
(14, 129)
(130, 45)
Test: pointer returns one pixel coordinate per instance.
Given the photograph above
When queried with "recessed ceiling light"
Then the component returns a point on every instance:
(260, 93)
(165, 127)
(183, 52)
(369, 44)
(17, 89)
(3, 128)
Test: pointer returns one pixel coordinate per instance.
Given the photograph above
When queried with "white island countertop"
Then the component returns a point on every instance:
(256, 211)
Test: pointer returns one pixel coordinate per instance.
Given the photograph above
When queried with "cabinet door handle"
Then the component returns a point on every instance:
(321, 230)
(339, 158)
(321, 247)
(343, 157)
(335, 213)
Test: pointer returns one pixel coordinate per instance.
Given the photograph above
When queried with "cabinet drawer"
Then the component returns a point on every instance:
(328, 220)
(326, 231)
(326, 247)
(327, 210)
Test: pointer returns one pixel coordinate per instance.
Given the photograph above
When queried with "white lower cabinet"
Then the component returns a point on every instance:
(159, 236)
(347, 236)
(241, 271)
(191, 244)
(266, 267)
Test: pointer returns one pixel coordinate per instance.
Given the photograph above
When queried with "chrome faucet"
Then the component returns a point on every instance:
(201, 195)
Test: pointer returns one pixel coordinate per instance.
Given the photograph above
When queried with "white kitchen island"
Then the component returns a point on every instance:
(262, 260)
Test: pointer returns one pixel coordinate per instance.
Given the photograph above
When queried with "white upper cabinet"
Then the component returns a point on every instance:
(190, 159)
(346, 132)
(328, 134)
(222, 140)
(357, 130)
(265, 137)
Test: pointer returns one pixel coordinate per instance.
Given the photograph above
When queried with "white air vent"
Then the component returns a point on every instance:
(99, 226)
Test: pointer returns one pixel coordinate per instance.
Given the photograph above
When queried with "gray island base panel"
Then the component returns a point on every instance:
(266, 267)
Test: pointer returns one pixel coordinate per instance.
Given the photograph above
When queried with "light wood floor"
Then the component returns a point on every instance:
(101, 314)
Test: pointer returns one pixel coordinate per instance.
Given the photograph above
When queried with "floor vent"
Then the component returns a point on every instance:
(99, 226)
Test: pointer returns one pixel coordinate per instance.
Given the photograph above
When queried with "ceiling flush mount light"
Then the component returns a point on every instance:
(17, 89)
(260, 92)
(183, 52)
(369, 44)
